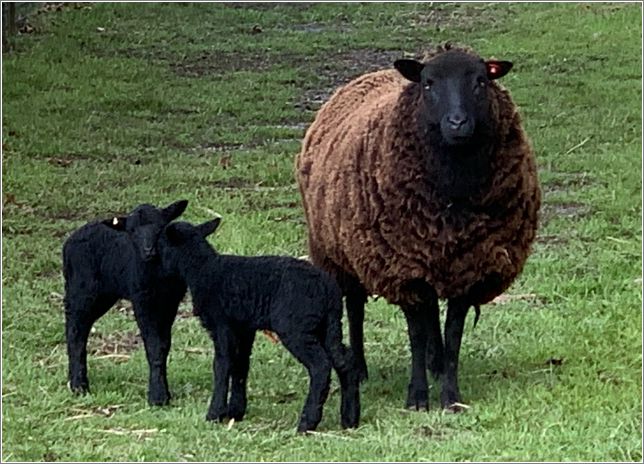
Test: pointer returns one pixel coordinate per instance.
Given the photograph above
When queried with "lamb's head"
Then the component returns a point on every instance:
(184, 244)
(454, 86)
(145, 224)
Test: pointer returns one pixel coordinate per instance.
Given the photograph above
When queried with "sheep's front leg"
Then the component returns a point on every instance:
(418, 330)
(456, 312)
(222, 365)
(156, 331)
(239, 374)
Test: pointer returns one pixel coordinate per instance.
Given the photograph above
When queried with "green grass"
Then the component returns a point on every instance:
(175, 101)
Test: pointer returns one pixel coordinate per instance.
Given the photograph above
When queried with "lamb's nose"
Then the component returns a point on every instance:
(149, 251)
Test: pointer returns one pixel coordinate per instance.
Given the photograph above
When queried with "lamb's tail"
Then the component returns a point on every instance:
(344, 364)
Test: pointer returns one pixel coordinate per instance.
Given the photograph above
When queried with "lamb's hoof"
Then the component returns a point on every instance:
(456, 408)
(451, 403)
(78, 388)
(417, 401)
(218, 416)
(159, 400)
(236, 414)
(303, 428)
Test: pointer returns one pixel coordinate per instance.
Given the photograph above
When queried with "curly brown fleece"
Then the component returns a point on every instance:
(373, 206)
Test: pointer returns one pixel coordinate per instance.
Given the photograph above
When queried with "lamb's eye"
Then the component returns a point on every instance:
(480, 82)
(428, 84)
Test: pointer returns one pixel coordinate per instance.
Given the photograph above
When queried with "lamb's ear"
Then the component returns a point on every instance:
(209, 227)
(175, 210)
(496, 69)
(116, 223)
(410, 69)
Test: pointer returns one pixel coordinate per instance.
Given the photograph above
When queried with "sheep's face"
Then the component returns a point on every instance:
(144, 225)
(455, 93)
(183, 242)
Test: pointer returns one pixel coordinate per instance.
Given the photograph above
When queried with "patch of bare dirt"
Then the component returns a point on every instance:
(116, 345)
(340, 68)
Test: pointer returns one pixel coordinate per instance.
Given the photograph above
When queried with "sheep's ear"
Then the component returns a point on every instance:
(116, 223)
(496, 69)
(410, 69)
(209, 227)
(175, 210)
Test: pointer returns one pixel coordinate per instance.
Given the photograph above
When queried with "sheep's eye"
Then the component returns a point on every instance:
(480, 82)
(428, 84)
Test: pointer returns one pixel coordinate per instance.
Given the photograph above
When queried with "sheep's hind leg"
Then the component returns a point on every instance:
(355, 301)
(418, 330)
(456, 312)
(80, 315)
(237, 403)
(308, 350)
(222, 366)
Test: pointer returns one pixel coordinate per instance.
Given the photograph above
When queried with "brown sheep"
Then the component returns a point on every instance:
(419, 183)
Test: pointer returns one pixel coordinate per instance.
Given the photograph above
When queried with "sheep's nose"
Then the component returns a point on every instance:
(457, 120)
(149, 251)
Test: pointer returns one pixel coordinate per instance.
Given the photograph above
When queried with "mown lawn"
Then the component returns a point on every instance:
(109, 105)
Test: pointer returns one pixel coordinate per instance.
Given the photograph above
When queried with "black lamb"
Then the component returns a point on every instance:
(234, 296)
(107, 260)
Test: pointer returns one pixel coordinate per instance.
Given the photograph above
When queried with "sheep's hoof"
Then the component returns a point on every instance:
(417, 400)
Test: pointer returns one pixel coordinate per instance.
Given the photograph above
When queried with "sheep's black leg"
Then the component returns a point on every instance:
(435, 352)
(239, 374)
(356, 299)
(308, 350)
(222, 365)
(80, 315)
(418, 330)
(456, 312)
(155, 323)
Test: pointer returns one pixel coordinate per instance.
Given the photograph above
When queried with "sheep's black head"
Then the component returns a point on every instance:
(455, 92)
(144, 225)
(184, 242)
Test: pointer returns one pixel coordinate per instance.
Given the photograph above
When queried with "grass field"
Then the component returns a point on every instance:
(109, 105)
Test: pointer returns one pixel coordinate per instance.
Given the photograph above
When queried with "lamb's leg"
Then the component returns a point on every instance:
(456, 312)
(344, 365)
(155, 323)
(435, 352)
(308, 350)
(355, 300)
(80, 315)
(237, 404)
(418, 330)
(222, 365)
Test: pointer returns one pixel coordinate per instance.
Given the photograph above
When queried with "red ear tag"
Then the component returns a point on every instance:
(493, 69)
